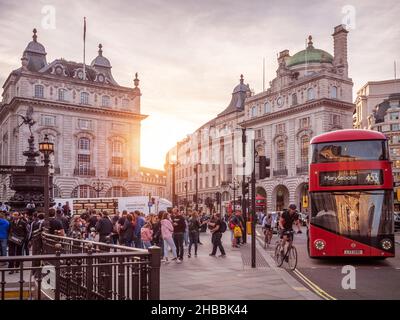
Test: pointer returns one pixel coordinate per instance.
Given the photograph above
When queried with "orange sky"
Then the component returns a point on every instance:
(189, 54)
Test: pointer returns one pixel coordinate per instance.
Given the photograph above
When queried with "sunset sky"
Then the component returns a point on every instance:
(189, 54)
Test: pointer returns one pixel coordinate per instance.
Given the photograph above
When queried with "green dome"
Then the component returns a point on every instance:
(309, 55)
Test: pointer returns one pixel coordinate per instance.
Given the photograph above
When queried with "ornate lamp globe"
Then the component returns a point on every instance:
(46, 147)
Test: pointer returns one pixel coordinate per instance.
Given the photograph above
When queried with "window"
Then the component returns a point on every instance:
(62, 95)
(310, 94)
(294, 99)
(83, 164)
(335, 119)
(84, 144)
(116, 166)
(206, 186)
(281, 155)
(254, 111)
(213, 181)
(394, 116)
(304, 145)
(334, 92)
(259, 133)
(117, 147)
(47, 120)
(39, 90)
(105, 101)
(125, 103)
(349, 151)
(84, 124)
(267, 107)
(84, 98)
(395, 127)
(280, 128)
(305, 122)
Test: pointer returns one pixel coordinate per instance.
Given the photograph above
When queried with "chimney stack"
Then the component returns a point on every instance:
(340, 49)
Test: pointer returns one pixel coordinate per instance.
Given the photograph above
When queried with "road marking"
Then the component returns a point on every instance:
(313, 286)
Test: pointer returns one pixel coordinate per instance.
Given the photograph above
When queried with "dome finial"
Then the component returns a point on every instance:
(136, 80)
(34, 35)
(100, 50)
(310, 43)
(241, 78)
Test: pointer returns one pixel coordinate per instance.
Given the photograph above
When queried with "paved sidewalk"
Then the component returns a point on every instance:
(231, 278)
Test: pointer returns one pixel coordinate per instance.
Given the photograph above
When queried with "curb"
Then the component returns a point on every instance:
(290, 280)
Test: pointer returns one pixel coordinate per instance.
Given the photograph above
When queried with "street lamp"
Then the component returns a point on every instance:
(196, 170)
(98, 186)
(46, 148)
(234, 186)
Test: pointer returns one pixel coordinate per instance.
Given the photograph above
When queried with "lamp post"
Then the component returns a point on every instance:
(234, 186)
(98, 186)
(46, 148)
(186, 197)
(196, 170)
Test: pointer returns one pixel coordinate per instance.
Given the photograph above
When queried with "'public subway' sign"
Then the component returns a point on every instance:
(351, 178)
(15, 169)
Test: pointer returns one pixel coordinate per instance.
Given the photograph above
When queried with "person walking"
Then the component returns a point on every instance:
(36, 240)
(179, 224)
(4, 228)
(18, 235)
(140, 221)
(236, 223)
(217, 227)
(146, 235)
(104, 228)
(64, 221)
(52, 225)
(194, 232)
(167, 230)
(127, 231)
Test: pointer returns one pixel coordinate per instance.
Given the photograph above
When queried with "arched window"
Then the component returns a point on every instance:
(267, 107)
(304, 147)
(334, 92)
(83, 191)
(117, 147)
(39, 91)
(117, 191)
(84, 98)
(294, 99)
(281, 155)
(254, 111)
(310, 94)
(105, 101)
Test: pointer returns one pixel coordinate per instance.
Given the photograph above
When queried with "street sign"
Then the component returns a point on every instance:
(150, 204)
(15, 169)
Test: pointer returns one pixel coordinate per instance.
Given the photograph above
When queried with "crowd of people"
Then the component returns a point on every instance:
(174, 231)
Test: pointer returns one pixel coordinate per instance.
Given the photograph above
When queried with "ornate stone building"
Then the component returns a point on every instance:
(310, 95)
(386, 119)
(92, 120)
(152, 182)
(213, 149)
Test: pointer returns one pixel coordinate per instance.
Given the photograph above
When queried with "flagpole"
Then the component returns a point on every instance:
(84, 48)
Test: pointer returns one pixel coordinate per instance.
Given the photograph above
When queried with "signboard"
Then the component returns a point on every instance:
(110, 205)
(351, 178)
(15, 169)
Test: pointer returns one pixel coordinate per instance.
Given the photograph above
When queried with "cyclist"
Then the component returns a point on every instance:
(267, 228)
(288, 217)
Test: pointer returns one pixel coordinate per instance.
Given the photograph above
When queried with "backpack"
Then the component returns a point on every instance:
(237, 232)
(222, 227)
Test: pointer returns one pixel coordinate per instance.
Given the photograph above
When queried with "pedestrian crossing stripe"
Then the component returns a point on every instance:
(313, 286)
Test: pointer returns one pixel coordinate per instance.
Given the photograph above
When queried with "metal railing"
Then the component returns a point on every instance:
(302, 170)
(84, 172)
(118, 173)
(73, 269)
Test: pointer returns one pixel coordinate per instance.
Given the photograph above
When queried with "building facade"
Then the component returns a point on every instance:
(311, 94)
(92, 120)
(212, 149)
(152, 182)
(386, 119)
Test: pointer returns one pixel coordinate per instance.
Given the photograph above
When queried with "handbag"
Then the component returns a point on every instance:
(237, 232)
(16, 239)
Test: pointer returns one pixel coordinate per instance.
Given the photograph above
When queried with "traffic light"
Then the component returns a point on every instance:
(245, 187)
(264, 171)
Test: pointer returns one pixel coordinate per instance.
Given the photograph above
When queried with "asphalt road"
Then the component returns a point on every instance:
(375, 279)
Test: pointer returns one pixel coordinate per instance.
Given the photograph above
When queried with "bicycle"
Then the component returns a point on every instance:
(290, 256)
(267, 237)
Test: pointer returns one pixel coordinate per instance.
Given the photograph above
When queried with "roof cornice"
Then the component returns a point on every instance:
(300, 108)
(71, 107)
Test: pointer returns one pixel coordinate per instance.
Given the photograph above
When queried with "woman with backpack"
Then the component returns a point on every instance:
(194, 227)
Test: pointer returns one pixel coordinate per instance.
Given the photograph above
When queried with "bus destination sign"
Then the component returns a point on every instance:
(351, 178)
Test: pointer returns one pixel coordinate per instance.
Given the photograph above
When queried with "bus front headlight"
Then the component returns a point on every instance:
(319, 244)
(386, 244)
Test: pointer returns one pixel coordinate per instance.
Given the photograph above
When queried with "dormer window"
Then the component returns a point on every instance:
(254, 111)
(267, 107)
(310, 94)
(62, 93)
(39, 91)
(294, 99)
(334, 92)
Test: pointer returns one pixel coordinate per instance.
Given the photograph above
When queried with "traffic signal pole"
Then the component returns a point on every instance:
(253, 208)
(243, 184)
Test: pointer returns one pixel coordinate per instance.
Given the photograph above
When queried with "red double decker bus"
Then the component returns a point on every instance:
(351, 195)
